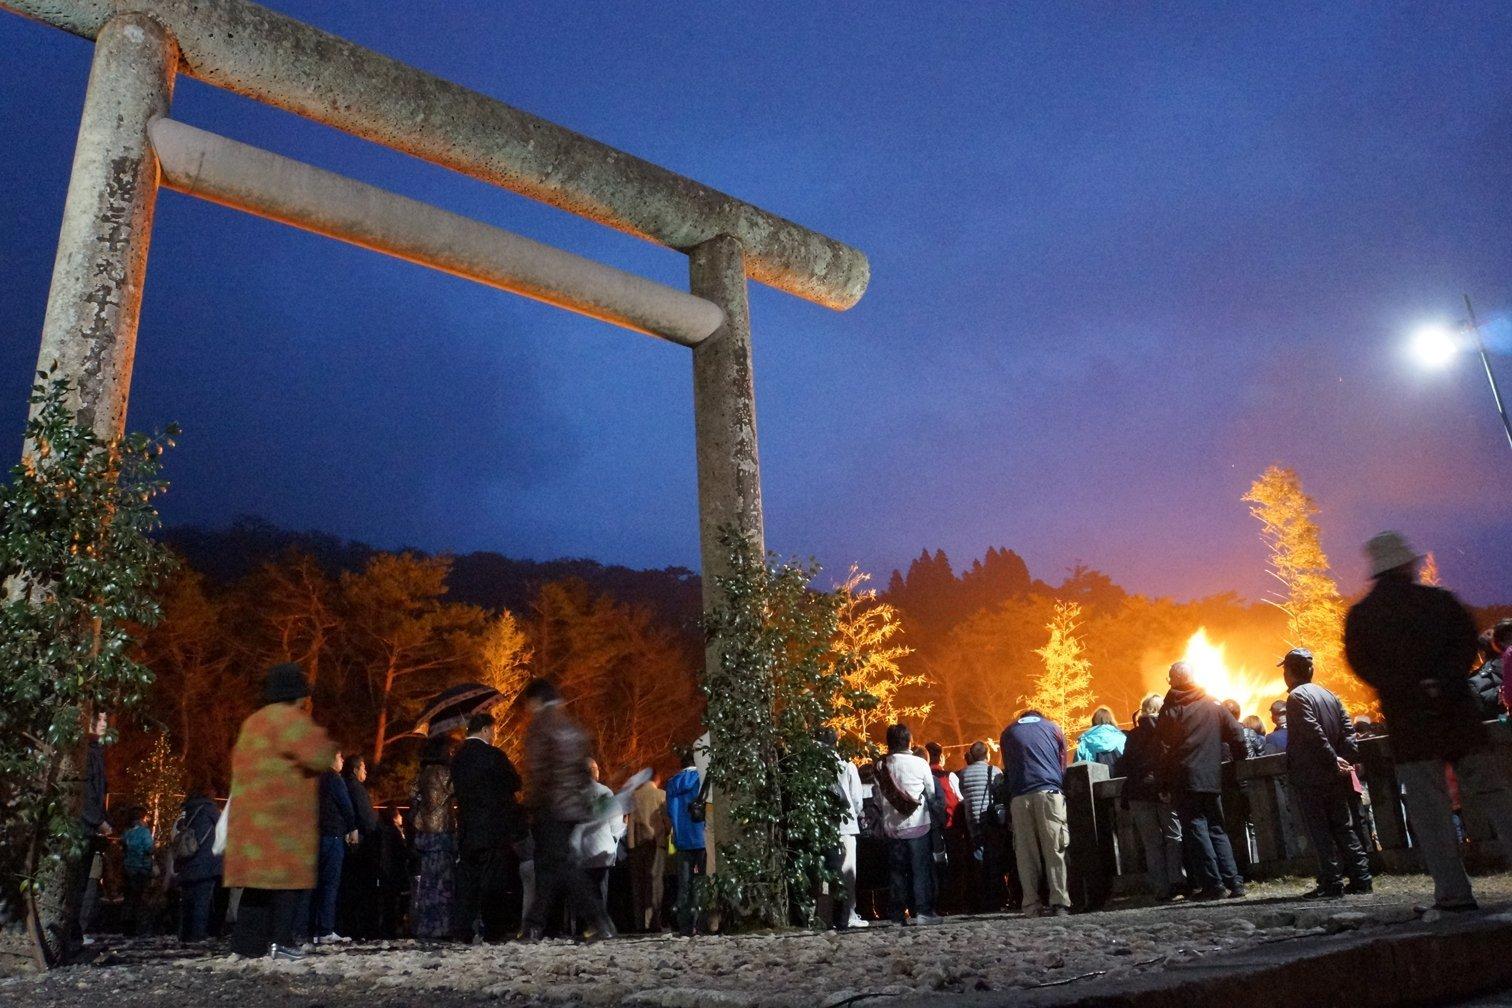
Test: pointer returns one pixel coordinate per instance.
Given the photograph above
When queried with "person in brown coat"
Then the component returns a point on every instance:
(271, 835)
(647, 840)
(557, 788)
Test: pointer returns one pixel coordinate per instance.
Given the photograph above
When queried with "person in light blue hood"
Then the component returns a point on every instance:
(1103, 742)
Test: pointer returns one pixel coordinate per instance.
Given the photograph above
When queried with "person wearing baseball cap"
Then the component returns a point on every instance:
(1320, 758)
(1415, 644)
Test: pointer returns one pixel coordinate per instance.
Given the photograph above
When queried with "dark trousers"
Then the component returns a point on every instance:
(267, 916)
(1210, 854)
(691, 868)
(560, 878)
(484, 877)
(1330, 826)
(910, 868)
(328, 884)
(986, 895)
(194, 909)
(136, 892)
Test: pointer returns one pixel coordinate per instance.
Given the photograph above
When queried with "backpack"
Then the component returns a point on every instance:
(948, 815)
(186, 843)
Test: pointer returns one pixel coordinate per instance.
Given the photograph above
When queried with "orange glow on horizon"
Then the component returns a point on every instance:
(1222, 681)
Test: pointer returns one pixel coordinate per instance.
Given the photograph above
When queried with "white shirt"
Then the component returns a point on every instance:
(848, 786)
(913, 778)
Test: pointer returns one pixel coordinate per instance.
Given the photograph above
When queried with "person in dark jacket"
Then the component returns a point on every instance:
(196, 874)
(393, 872)
(1414, 645)
(1320, 759)
(1275, 742)
(1034, 762)
(489, 824)
(1193, 730)
(556, 758)
(95, 827)
(338, 828)
(1486, 681)
(356, 907)
(1154, 819)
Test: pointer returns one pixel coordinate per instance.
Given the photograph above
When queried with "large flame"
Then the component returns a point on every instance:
(1224, 682)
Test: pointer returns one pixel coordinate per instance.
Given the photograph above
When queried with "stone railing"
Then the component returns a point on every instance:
(1270, 841)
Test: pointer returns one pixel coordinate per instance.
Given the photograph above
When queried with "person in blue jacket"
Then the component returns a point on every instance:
(683, 790)
(1103, 742)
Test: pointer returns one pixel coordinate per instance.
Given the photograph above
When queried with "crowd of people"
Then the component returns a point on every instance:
(482, 852)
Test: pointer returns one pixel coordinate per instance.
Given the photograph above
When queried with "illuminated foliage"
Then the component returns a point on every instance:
(866, 644)
(1308, 594)
(1429, 575)
(1063, 691)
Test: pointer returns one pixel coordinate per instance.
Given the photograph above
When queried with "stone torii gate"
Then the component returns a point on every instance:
(128, 147)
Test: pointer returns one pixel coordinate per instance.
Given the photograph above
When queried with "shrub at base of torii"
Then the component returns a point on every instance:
(80, 572)
(776, 684)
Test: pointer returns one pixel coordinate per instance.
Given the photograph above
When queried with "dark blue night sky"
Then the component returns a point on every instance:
(1122, 260)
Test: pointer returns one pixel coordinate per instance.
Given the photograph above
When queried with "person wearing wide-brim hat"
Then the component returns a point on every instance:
(1415, 645)
(271, 833)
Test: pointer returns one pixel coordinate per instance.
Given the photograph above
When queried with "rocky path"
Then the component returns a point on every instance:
(964, 955)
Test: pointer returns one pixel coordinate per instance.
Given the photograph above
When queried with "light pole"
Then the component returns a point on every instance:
(1437, 346)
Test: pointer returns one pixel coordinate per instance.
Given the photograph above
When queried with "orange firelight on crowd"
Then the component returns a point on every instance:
(1222, 681)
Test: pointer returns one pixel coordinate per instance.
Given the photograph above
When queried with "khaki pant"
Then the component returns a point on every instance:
(1040, 839)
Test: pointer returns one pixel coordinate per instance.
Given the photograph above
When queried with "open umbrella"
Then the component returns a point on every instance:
(451, 708)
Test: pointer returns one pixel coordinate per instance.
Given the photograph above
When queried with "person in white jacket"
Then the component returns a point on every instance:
(847, 787)
(907, 786)
(600, 843)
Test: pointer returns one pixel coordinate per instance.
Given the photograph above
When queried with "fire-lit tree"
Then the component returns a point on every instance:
(1063, 691)
(1429, 575)
(866, 646)
(157, 784)
(1308, 594)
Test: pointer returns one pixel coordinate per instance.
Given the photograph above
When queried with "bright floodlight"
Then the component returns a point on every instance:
(1435, 345)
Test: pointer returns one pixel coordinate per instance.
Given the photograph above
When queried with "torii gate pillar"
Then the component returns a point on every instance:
(96, 295)
(724, 411)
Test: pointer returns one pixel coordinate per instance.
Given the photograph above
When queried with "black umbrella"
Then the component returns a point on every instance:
(452, 707)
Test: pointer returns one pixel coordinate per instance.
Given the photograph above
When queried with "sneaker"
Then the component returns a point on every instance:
(857, 921)
(1324, 892)
(1238, 892)
(332, 939)
(285, 952)
(1056, 911)
(1356, 888)
(927, 920)
(1207, 895)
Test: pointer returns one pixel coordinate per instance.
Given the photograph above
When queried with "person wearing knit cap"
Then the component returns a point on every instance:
(270, 820)
(1415, 645)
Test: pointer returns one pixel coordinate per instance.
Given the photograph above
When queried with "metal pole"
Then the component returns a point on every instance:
(90, 327)
(1496, 396)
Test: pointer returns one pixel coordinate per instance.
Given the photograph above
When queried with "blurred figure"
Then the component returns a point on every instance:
(139, 850)
(433, 895)
(1413, 644)
(338, 830)
(1321, 758)
(600, 842)
(647, 843)
(1034, 759)
(196, 866)
(985, 812)
(272, 835)
(1103, 742)
(1275, 742)
(907, 787)
(1193, 730)
(1154, 818)
(489, 823)
(558, 787)
(686, 813)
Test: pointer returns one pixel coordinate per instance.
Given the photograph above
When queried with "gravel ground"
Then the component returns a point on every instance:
(794, 970)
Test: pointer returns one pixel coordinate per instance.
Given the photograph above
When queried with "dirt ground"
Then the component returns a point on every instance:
(792, 970)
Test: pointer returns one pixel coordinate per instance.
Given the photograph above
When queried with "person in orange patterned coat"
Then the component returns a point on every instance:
(271, 840)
